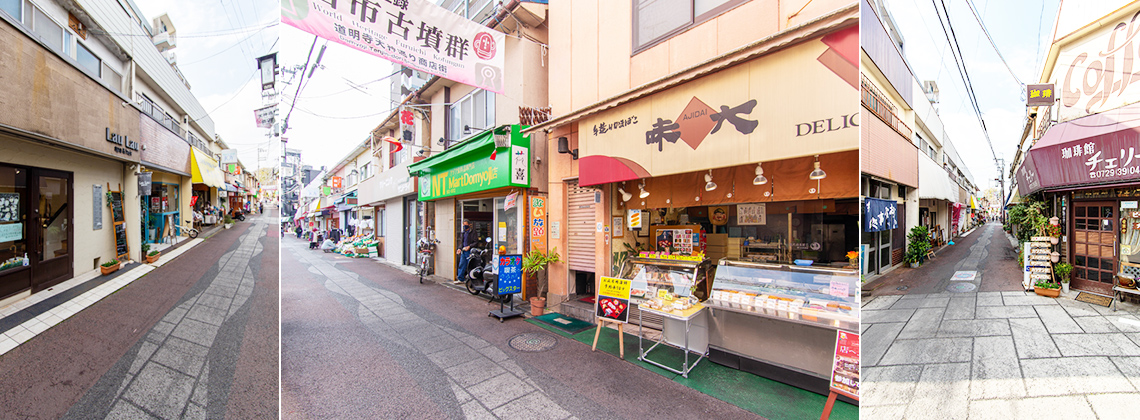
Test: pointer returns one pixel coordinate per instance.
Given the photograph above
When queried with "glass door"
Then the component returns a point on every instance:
(52, 228)
(1094, 246)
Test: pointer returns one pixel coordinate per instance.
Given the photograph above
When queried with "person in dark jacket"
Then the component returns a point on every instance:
(466, 241)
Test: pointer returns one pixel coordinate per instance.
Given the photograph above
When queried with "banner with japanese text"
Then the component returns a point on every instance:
(845, 366)
(414, 33)
(613, 299)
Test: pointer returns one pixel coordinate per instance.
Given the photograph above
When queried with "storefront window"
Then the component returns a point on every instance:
(13, 235)
(507, 226)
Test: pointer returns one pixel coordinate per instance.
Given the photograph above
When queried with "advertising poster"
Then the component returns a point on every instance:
(538, 224)
(613, 299)
(11, 232)
(510, 274)
(751, 214)
(9, 207)
(845, 369)
(718, 215)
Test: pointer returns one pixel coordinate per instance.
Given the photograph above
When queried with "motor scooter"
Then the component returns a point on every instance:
(481, 278)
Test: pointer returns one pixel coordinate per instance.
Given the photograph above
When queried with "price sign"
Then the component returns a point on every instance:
(845, 369)
(510, 274)
(839, 288)
(613, 299)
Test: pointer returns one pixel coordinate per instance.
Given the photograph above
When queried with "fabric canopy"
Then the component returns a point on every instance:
(1096, 149)
(879, 215)
(204, 170)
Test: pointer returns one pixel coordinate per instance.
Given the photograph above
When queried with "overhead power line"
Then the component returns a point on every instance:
(952, 38)
(992, 44)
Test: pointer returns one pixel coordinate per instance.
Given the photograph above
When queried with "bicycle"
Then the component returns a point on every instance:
(426, 249)
(187, 228)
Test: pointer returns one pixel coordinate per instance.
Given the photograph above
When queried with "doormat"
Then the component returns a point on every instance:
(587, 299)
(1085, 297)
(562, 322)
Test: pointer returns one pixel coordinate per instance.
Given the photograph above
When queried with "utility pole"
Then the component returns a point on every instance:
(1001, 186)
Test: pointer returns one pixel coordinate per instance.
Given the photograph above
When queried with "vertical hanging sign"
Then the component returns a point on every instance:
(538, 224)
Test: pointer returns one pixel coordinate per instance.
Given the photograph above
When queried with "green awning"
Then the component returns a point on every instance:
(483, 143)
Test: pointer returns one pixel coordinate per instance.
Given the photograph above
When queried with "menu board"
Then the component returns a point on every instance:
(845, 368)
(613, 299)
(510, 274)
(121, 240)
(117, 206)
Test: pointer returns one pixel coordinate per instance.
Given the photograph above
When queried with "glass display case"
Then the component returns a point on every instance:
(653, 276)
(815, 295)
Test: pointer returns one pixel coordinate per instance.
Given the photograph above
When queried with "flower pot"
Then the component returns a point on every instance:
(537, 306)
(1065, 287)
(111, 269)
(150, 259)
(1053, 240)
(915, 265)
(1047, 292)
(1054, 257)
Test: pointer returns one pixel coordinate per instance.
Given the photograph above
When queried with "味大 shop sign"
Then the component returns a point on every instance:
(414, 33)
(741, 115)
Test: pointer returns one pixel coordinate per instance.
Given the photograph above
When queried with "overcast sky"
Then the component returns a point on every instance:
(1021, 30)
(217, 44)
(339, 105)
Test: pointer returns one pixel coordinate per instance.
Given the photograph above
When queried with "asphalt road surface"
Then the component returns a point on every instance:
(195, 338)
(364, 340)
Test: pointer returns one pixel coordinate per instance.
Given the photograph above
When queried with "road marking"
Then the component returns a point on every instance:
(964, 276)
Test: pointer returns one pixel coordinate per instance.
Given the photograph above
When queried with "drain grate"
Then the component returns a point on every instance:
(533, 342)
(901, 288)
(961, 287)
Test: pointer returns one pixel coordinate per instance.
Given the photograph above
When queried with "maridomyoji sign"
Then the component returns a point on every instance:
(474, 170)
(414, 33)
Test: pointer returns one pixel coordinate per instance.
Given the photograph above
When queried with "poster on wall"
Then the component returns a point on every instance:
(613, 299)
(11, 232)
(9, 207)
(751, 214)
(617, 224)
(634, 218)
(538, 224)
(718, 215)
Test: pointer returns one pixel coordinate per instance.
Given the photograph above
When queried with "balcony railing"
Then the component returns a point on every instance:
(876, 102)
(154, 112)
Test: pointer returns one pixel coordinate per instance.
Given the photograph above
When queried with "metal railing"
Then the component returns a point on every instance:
(157, 114)
(875, 101)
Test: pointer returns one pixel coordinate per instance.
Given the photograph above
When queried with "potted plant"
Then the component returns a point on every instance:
(1047, 288)
(919, 245)
(532, 264)
(153, 256)
(227, 221)
(109, 267)
(853, 258)
(1062, 271)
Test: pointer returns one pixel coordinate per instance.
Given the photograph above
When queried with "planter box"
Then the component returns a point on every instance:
(111, 269)
(150, 259)
(1047, 292)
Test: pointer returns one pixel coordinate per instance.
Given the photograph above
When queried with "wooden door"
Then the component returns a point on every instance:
(1094, 245)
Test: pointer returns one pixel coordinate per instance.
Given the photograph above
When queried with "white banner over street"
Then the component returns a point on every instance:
(265, 116)
(414, 33)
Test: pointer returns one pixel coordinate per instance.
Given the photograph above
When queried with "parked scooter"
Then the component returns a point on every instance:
(481, 277)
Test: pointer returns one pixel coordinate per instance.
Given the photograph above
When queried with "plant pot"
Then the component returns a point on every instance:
(150, 259)
(228, 225)
(915, 264)
(1053, 240)
(111, 269)
(1054, 257)
(1065, 287)
(1047, 292)
(537, 306)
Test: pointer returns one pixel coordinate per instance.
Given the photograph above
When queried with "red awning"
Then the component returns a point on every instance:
(1098, 149)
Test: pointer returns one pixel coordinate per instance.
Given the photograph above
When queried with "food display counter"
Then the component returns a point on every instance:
(669, 285)
(779, 321)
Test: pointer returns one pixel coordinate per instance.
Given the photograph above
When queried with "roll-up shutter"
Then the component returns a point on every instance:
(581, 226)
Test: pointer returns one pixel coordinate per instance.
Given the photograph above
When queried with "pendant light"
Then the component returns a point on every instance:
(759, 179)
(817, 174)
(709, 184)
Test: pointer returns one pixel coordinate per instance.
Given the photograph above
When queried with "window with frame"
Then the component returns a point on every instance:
(47, 29)
(472, 115)
(88, 60)
(12, 7)
(655, 21)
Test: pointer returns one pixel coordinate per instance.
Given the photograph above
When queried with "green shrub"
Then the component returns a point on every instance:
(919, 244)
(110, 263)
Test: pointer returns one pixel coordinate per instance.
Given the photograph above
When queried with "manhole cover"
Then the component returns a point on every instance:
(961, 287)
(533, 342)
(901, 288)
(964, 276)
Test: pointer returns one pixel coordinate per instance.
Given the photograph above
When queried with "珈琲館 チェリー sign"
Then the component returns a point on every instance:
(744, 114)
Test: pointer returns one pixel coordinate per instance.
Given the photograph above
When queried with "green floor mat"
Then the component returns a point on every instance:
(763, 396)
(567, 324)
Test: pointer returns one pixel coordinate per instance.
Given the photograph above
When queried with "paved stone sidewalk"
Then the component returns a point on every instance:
(998, 355)
(483, 379)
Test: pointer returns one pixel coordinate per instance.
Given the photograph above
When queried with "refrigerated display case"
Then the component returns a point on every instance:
(779, 321)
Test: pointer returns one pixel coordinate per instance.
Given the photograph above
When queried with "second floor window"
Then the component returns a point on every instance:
(657, 20)
(472, 115)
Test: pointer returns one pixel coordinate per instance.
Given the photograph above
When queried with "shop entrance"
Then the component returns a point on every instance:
(36, 211)
(1094, 246)
(409, 230)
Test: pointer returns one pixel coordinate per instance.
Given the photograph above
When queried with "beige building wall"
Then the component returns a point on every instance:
(597, 61)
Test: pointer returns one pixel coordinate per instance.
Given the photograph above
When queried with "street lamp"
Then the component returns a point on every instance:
(268, 66)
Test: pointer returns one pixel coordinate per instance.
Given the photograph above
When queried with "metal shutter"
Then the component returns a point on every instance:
(580, 227)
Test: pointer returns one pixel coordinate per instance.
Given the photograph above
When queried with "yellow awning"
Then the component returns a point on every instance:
(204, 170)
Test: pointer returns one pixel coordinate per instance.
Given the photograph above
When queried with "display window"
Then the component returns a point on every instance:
(13, 208)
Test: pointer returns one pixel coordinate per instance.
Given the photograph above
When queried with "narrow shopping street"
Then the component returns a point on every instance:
(983, 348)
(360, 338)
(195, 337)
